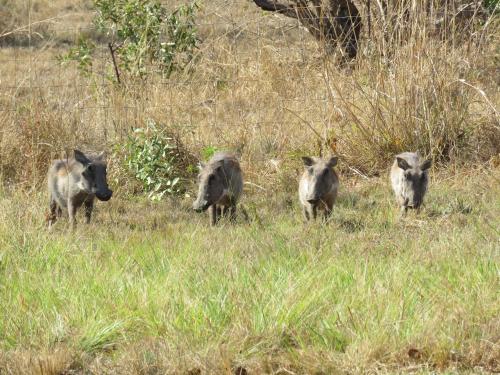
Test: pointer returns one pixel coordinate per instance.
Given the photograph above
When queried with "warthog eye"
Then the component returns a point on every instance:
(89, 170)
(408, 176)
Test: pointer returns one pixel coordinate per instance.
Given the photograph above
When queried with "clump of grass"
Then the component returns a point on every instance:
(99, 336)
(37, 136)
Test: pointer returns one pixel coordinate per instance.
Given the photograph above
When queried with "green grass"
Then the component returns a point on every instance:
(151, 288)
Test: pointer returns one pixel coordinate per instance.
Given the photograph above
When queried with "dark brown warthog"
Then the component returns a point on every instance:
(220, 184)
(76, 181)
(409, 179)
(318, 186)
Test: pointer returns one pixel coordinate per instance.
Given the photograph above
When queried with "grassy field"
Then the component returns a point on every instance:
(151, 288)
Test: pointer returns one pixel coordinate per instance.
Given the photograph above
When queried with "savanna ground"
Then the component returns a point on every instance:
(150, 288)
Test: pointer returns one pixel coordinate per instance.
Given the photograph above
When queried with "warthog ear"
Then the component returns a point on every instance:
(80, 157)
(402, 163)
(218, 166)
(333, 161)
(101, 156)
(307, 161)
(426, 165)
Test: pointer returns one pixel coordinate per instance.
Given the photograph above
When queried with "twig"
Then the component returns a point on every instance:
(307, 123)
(480, 91)
(258, 186)
(23, 28)
(359, 173)
(369, 16)
(117, 72)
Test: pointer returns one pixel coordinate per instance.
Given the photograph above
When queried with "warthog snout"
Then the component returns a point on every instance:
(313, 200)
(414, 204)
(104, 195)
(201, 206)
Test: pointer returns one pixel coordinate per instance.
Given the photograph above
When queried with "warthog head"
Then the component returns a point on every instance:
(211, 186)
(321, 177)
(414, 180)
(93, 175)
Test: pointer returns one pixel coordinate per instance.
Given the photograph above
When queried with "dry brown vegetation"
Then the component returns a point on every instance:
(262, 87)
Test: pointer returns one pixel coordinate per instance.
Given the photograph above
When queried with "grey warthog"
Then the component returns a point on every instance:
(318, 186)
(409, 178)
(76, 181)
(220, 184)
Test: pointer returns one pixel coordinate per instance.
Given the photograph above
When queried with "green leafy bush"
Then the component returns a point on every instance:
(208, 151)
(153, 157)
(143, 36)
(491, 5)
(82, 54)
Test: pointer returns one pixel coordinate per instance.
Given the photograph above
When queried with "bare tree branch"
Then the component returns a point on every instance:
(273, 6)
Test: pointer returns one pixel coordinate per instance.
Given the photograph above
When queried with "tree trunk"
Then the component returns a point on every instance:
(332, 22)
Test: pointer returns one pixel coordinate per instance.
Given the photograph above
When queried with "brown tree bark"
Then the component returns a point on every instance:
(332, 22)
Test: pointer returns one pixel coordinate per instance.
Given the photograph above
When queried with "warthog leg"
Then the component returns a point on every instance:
(53, 214)
(232, 213)
(71, 214)
(327, 213)
(328, 209)
(310, 211)
(306, 213)
(213, 214)
(89, 206)
(314, 211)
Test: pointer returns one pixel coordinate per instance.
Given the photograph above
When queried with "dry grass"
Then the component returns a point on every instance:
(261, 87)
(42, 23)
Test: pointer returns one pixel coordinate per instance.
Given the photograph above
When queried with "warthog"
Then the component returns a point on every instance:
(409, 178)
(76, 181)
(318, 186)
(220, 184)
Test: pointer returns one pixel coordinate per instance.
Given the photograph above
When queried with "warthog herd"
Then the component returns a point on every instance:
(79, 180)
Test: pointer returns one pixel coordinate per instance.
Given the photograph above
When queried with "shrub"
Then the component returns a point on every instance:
(208, 151)
(141, 35)
(156, 160)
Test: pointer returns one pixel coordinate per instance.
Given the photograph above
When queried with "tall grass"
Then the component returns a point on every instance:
(261, 87)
